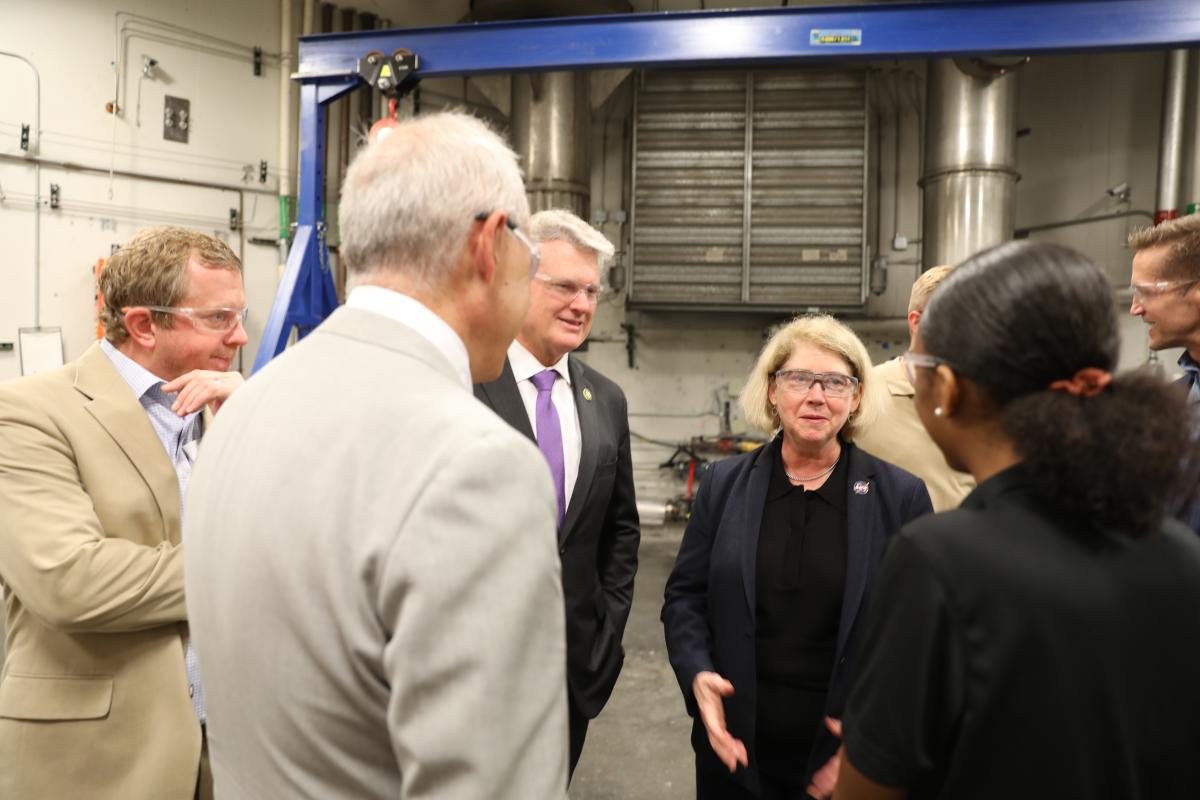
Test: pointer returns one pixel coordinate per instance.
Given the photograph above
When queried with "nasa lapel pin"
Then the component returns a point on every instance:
(587, 393)
(861, 487)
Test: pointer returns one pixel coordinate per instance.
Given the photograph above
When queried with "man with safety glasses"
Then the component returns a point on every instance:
(101, 694)
(579, 420)
(1166, 295)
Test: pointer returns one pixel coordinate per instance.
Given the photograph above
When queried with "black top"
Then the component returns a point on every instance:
(800, 575)
(710, 597)
(1010, 653)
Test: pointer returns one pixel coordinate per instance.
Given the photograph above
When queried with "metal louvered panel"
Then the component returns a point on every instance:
(787, 233)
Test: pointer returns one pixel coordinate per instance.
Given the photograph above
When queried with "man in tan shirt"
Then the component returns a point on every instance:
(898, 436)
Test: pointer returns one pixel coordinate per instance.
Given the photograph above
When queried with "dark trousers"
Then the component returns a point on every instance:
(577, 725)
(714, 782)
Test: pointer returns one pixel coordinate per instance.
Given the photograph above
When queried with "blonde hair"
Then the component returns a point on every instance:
(558, 224)
(151, 270)
(1183, 235)
(923, 287)
(827, 333)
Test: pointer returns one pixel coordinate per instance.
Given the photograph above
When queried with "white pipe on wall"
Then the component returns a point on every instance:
(34, 148)
(285, 122)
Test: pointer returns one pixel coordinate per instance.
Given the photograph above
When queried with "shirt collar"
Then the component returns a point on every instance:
(833, 491)
(893, 375)
(137, 377)
(525, 364)
(1011, 480)
(412, 313)
(1188, 364)
(146, 386)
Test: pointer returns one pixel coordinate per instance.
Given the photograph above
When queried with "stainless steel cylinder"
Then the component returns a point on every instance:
(970, 156)
(551, 133)
(1170, 153)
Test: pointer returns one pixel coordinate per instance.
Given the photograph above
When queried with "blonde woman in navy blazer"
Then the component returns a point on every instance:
(779, 554)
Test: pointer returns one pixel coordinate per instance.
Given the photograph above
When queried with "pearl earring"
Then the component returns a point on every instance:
(937, 412)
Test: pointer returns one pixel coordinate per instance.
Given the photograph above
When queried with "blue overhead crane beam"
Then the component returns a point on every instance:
(750, 37)
(747, 37)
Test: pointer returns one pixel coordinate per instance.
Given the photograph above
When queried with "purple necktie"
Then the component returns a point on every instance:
(549, 436)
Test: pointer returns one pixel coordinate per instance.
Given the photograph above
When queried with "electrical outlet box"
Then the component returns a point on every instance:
(177, 119)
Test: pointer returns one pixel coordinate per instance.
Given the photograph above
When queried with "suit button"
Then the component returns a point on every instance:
(191, 691)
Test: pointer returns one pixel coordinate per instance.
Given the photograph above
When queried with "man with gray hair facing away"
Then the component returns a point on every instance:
(580, 422)
(898, 435)
(371, 565)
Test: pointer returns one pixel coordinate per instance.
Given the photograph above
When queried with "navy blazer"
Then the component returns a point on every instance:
(709, 608)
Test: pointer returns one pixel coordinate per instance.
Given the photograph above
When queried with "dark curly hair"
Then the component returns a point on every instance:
(1019, 316)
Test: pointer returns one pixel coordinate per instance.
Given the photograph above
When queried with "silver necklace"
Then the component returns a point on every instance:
(821, 474)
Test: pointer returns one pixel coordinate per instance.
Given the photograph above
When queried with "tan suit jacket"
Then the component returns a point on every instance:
(373, 582)
(94, 694)
(898, 437)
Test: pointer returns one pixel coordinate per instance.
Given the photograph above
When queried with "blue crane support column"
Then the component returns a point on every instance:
(306, 294)
(739, 37)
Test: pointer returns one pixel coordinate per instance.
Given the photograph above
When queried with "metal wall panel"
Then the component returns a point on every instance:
(770, 215)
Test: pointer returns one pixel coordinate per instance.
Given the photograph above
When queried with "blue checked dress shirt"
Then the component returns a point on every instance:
(179, 436)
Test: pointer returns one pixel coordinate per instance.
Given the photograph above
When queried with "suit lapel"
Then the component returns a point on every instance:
(113, 405)
(504, 398)
(589, 445)
(862, 528)
(756, 501)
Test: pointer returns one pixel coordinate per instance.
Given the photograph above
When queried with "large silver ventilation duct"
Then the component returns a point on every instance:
(551, 132)
(1170, 153)
(970, 160)
(551, 111)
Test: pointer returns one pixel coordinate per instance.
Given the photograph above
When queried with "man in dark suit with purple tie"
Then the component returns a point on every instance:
(579, 420)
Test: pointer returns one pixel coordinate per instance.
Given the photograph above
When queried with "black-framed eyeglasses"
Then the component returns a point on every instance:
(834, 384)
(567, 290)
(913, 360)
(535, 256)
(217, 320)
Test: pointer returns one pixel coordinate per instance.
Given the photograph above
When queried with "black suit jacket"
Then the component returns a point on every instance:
(709, 613)
(598, 541)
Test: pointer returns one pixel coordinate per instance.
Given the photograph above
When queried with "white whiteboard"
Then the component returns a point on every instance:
(41, 349)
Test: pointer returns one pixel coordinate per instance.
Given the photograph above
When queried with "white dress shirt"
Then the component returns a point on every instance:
(524, 366)
(416, 315)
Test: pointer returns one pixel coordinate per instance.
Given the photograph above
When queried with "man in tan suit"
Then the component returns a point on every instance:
(99, 696)
(372, 572)
(898, 435)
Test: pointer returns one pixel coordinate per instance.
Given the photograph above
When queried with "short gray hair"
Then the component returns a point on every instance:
(828, 334)
(409, 200)
(558, 224)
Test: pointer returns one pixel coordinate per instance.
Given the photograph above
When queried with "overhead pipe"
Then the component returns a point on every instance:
(970, 174)
(33, 153)
(1170, 152)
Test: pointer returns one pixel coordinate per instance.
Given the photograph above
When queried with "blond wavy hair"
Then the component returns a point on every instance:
(151, 270)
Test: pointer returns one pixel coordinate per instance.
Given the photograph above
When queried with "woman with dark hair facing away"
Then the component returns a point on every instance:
(761, 610)
(1042, 641)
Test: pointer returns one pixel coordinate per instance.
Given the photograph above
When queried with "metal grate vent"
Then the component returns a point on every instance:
(768, 216)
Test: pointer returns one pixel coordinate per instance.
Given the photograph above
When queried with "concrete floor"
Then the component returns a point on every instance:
(638, 748)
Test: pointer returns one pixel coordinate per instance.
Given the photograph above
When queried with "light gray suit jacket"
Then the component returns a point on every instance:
(373, 583)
